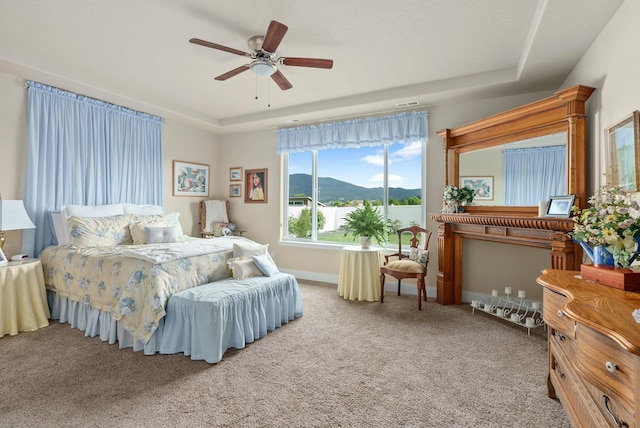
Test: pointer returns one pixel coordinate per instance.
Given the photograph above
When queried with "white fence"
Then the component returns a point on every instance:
(334, 216)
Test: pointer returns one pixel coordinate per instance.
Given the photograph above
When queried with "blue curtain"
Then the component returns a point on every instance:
(85, 151)
(534, 174)
(401, 128)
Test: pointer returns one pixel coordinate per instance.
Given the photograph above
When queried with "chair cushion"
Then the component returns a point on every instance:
(405, 266)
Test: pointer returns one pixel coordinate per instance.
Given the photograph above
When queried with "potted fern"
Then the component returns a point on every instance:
(366, 223)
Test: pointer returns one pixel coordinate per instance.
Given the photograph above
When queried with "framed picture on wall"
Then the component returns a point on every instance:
(235, 173)
(482, 187)
(255, 185)
(235, 190)
(560, 206)
(190, 179)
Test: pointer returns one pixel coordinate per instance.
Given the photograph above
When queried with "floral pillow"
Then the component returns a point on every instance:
(419, 255)
(219, 228)
(99, 231)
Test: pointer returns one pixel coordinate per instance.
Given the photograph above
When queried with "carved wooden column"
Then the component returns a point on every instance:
(445, 285)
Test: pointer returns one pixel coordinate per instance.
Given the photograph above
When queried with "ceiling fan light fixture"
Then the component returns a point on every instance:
(263, 68)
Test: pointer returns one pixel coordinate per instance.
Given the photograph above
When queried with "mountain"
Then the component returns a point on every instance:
(331, 190)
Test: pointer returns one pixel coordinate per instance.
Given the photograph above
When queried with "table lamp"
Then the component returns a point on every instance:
(13, 216)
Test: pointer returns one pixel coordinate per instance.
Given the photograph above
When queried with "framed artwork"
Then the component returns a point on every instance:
(623, 152)
(235, 190)
(235, 174)
(190, 179)
(560, 206)
(255, 185)
(482, 187)
(3, 258)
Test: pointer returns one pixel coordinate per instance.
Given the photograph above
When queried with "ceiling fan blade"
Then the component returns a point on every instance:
(281, 81)
(308, 62)
(219, 47)
(272, 39)
(233, 72)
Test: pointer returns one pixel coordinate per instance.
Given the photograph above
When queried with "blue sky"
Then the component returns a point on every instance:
(365, 166)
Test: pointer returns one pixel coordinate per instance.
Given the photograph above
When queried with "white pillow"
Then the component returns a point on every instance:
(142, 209)
(59, 228)
(91, 210)
(138, 232)
(243, 267)
(247, 249)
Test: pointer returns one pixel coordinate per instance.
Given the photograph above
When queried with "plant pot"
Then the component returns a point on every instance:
(365, 242)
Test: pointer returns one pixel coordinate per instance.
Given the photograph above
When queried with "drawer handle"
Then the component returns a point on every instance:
(611, 366)
(560, 313)
(560, 372)
(560, 336)
(618, 422)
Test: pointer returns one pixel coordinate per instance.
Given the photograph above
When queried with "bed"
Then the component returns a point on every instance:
(112, 275)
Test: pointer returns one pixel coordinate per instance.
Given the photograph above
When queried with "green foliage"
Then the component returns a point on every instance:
(413, 200)
(366, 221)
(301, 226)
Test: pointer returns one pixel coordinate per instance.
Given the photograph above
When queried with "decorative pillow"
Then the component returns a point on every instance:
(91, 210)
(98, 231)
(218, 228)
(263, 262)
(243, 267)
(139, 222)
(249, 248)
(161, 235)
(419, 255)
(142, 209)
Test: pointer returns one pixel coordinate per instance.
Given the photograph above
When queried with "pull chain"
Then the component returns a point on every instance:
(256, 86)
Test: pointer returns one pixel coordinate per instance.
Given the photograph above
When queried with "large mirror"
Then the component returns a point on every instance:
(623, 152)
(472, 152)
(522, 173)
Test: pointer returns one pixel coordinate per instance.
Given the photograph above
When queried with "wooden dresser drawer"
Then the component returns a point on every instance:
(611, 406)
(605, 364)
(554, 315)
(579, 407)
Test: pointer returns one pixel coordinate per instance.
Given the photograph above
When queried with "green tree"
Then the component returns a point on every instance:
(413, 200)
(301, 226)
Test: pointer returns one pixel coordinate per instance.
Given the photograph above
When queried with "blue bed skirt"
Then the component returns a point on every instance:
(240, 312)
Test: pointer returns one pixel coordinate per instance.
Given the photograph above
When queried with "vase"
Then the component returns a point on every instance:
(461, 209)
(365, 242)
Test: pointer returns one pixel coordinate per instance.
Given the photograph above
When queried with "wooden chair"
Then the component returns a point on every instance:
(412, 265)
(218, 212)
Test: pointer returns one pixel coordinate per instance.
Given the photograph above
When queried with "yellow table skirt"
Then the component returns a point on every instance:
(23, 299)
(359, 277)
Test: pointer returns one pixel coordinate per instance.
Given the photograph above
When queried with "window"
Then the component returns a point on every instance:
(324, 185)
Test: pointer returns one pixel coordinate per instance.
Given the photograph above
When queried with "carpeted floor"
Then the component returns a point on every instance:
(343, 364)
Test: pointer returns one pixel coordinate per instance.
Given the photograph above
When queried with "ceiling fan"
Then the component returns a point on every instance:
(265, 63)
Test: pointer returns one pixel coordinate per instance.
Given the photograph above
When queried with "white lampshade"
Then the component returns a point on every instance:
(263, 68)
(13, 216)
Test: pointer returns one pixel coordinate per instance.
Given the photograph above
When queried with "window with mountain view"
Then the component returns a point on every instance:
(325, 185)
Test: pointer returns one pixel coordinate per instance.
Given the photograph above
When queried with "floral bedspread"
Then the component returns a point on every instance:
(134, 291)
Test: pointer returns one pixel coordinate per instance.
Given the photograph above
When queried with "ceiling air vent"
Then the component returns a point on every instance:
(408, 104)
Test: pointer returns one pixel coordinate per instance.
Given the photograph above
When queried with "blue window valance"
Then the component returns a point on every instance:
(403, 128)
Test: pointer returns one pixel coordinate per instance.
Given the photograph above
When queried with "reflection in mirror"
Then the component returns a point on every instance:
(525, 172)
(623, 154)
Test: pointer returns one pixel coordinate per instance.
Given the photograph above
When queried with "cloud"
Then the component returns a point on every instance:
(377, 160)
(394, 180)
(409, 151)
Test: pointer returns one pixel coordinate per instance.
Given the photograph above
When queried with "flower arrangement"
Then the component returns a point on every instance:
(458, 195)
(612, 221)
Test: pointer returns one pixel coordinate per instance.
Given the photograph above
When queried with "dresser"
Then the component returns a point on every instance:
(594, 350)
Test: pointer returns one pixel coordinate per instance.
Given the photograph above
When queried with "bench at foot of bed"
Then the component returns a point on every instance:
(204, 321)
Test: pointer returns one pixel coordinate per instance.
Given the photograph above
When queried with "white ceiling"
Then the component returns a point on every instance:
(137, 53)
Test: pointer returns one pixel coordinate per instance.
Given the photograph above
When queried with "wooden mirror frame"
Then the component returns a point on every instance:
(562, 112)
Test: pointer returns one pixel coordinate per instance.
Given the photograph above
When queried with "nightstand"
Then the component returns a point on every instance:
(23, 299)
